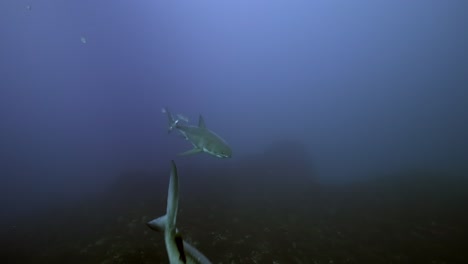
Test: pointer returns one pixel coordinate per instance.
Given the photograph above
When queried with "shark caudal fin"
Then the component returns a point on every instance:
(172, 198)
(168, 221)
(178, 250)
(172, 123)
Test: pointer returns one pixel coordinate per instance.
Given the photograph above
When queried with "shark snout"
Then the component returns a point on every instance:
(224, 155)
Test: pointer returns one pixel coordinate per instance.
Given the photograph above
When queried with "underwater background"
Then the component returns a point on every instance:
(347, 120)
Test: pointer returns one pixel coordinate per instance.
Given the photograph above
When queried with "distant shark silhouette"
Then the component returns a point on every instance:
(202, 139)
(178, 251)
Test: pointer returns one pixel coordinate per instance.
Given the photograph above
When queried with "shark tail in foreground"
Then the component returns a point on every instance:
(179, 251)
(172, 122)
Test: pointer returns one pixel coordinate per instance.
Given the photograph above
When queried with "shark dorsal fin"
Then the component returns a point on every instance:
(201, 122)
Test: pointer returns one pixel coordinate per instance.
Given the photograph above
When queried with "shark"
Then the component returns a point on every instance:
(178, 251)
(202, 138)
(182, 118)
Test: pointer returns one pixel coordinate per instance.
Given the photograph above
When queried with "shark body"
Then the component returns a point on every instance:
(202, 138)
(178, 251)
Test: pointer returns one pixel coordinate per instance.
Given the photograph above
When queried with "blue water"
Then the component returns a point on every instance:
(347, 122)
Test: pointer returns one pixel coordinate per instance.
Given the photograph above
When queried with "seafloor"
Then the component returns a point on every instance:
(260, 211)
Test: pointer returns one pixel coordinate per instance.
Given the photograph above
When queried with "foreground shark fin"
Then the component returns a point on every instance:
(201, 122)
(180, 247)
(178, 250)
(172, 198)
(158, 224)
(191, 152)
(193, 253)
(168, 220)
(172, 123)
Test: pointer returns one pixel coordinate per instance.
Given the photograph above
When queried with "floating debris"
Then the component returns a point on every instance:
(83, 40)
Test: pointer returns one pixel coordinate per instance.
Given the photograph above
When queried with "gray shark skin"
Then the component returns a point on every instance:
(178, 251)
(202, 139)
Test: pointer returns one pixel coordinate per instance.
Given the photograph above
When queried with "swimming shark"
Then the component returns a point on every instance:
(181, 117)
(178, 251)
(202, 139)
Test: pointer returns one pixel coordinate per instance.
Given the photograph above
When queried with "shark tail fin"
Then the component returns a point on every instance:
(172, 122)
(168, 221)
(158, 224)
(172, 197)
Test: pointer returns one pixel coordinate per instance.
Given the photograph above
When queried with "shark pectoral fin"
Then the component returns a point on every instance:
(191, 152)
